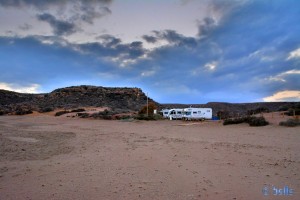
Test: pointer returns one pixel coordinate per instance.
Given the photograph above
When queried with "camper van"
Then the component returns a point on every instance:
(175, 113)
(165, 113)
(197, 113)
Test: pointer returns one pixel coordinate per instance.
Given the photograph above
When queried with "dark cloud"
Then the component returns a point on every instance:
(42, 63)
(206, 26)
(111, 46)
(242, 57)
(46, 4)
(176, 38)
(59, 27)
(109, 40)
(25, 27)
(172, 37)
(82, 10)
(35, 3)
(90, 13)
(149, 38)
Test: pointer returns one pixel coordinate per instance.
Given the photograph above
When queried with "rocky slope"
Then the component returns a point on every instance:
(120, 98)
(238, 108)
(74, 97)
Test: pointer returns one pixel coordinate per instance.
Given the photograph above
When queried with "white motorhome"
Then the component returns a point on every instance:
(197, 113)
(165, 113)
(175, 113)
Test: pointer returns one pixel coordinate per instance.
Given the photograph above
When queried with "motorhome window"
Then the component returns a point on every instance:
(208, 110)
(188, 113)
(194, 112)
(165, 113)
(199, 112)
(179, 112)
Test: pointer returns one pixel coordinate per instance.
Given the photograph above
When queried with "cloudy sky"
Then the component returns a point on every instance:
(179, 51)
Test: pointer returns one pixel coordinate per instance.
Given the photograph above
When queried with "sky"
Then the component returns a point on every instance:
(177, 51)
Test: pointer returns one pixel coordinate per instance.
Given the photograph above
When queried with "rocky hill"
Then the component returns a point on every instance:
(238, 108)
(74, 97)
(119, 98)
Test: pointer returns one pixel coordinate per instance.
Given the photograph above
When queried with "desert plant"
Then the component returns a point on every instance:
(257, 121)
(291, 111)
(78, 110)
(257, 110)
(144, 117)
(83, 115)
(158, 117)
(283, 108)
(235, 120)
(23, 111)
(59, 113)
(223, 114)
(106, 114)
(46, 109)
(252, 121)
(107, 117)
(151, 108)
(290, 123)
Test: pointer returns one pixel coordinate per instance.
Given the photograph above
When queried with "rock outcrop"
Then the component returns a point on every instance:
(74, 97)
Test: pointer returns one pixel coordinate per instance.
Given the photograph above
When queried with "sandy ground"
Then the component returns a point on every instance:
(46, 157)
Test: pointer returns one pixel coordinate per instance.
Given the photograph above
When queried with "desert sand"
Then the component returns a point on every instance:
(46, 157)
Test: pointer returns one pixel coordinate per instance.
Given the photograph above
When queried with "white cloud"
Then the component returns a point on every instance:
(281, 77)
(148, 73)
(294, 54)
(211, 66)
(32, 88)
(264, 55)
(287, 95)
(108, 75)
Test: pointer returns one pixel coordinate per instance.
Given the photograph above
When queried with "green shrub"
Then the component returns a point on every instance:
(78, 110)
(257, 121)
(106, 114)
(23, 111)
(107, 117)
(235, 121)
(47, 109)
(83, 115)
(252, 121)
(290, 123)
(59, 113)
(151, 108)
(223, 114)
(144, 117)
(291, 111)
(158, 117)
(257, 110)
(123, 117)
(283, 108)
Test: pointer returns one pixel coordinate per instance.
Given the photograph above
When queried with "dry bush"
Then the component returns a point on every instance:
(151, 108)
(59, 113)
(290, 123)
(252, 121)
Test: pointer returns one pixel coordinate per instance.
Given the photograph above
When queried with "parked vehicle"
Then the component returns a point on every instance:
(175, 113)
(165, 113)
(197, 113)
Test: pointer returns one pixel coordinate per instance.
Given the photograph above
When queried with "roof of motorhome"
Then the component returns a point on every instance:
(197, 108)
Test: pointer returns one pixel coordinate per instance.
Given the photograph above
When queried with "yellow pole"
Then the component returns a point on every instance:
(294, 113)
(147, 106)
